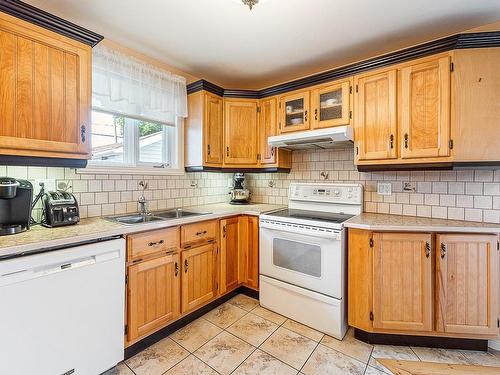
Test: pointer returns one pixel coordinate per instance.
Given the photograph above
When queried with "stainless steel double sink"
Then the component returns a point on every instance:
(137, 218)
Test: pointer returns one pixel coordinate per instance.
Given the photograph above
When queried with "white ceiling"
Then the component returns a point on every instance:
(225, 43)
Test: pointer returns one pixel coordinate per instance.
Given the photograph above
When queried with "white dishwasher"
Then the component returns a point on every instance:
(62, 312)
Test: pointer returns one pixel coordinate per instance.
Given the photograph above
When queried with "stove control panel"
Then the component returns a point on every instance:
(331, 193)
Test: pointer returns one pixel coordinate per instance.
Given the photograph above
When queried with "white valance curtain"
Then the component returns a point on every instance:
(121, 84)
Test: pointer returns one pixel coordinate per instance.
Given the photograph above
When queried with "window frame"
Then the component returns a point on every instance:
(131, 158)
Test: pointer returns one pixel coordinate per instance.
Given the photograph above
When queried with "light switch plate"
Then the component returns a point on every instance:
(384, 188)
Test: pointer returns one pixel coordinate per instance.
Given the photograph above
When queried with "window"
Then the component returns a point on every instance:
(123, 142)
(137, 116)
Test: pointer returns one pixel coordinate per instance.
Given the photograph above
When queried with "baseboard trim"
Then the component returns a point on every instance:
(184, 321)
(425, 341)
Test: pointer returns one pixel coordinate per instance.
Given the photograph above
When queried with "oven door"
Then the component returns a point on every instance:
(307, 257)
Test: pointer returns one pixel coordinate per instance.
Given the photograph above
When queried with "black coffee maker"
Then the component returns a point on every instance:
(15, 205)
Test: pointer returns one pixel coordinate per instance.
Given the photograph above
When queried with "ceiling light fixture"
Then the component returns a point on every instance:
(250, 3)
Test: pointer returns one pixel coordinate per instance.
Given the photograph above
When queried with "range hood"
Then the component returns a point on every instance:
(336, 137)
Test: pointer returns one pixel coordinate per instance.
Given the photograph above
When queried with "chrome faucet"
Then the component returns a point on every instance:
(143, 203)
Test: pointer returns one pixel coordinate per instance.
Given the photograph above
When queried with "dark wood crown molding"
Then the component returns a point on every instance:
(49, 21)
(458, 41)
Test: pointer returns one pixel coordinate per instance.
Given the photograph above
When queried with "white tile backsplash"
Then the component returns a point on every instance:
(464, 194)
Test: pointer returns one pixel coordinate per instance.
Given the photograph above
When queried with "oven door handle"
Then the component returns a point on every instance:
(301, 230)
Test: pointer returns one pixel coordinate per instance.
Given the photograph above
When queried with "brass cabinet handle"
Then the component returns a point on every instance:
(156, 243)
(208, 149)
(201, 233)
(272, 151)
(443, 250)
(315, 114)
(186, 265)
(427, 249)
(391, 141)
(406, 140)
(176, 268)
(305, 116)
(224, 231)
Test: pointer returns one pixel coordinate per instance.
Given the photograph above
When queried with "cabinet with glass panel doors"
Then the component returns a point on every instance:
(331, 105)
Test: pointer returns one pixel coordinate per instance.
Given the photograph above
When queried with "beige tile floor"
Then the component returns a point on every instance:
(240, 337)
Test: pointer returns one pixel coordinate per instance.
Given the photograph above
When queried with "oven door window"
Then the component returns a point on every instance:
(297, 256)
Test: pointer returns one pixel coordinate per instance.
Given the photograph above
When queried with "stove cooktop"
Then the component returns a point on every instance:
(336, 218)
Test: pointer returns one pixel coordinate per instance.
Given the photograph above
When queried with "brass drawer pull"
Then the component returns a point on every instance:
(156, 243)
(427, 249)
(186, 266)
(406, 140)
(201, 233)
(176, 268)
(170, 251)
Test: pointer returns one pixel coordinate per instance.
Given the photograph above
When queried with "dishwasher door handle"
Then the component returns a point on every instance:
(51, 269)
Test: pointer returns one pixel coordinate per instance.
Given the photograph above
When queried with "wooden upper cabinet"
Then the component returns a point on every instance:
(268, 127)
(45, 92)
(240, 132)
(467, 284)
(153, 295)
(402, 281)
(213, 130)
(295, 112)
(375, 118)
(198, 276)
(331, 105)
(229, 254)
(425, 109)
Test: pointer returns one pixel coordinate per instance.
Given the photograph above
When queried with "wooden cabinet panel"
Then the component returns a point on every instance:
(198, 276)
(143, 244)
(240, 132)
(249, 251)
(467, 284)
(360, 279)
(375, 119)
(153, 295)
(330, 105)
(213, 130)
(45, 93)
(402, 281)
(229, 254)
(199, 232)
(425, 109)
(267, 127)
(294, 112)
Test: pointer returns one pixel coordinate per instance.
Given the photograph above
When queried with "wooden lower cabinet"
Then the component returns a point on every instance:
(402, 281)
(467, 284)
(249, 251)
(153, 295)
(423, 283)
(198, 276)
(229, 254)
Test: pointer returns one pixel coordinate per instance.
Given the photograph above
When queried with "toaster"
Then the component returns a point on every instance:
(59, 208)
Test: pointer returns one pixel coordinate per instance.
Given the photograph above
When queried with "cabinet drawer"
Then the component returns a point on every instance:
(198, 232)
(147, 243)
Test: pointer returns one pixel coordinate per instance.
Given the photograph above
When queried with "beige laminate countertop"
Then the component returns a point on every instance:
(39, 238)
(385, 222)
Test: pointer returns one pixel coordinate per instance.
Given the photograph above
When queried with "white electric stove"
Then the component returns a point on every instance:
(302, 255)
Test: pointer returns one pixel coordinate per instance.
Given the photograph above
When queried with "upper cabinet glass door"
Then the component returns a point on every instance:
(294, 110)
(331, 105)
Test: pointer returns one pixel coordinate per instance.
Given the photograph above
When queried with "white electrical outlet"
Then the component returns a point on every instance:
(384, 188)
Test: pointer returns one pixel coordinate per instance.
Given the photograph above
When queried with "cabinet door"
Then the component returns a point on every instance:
(240, 130)
(331, 105)
(229, 254)
(375, 121)
(402, 281)
(249, 251)
(267, 128)
(213, 129)
(45, 94)
(153, 294)
(294, 112)
(425, 109)
(467, 284)
(198, 276)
